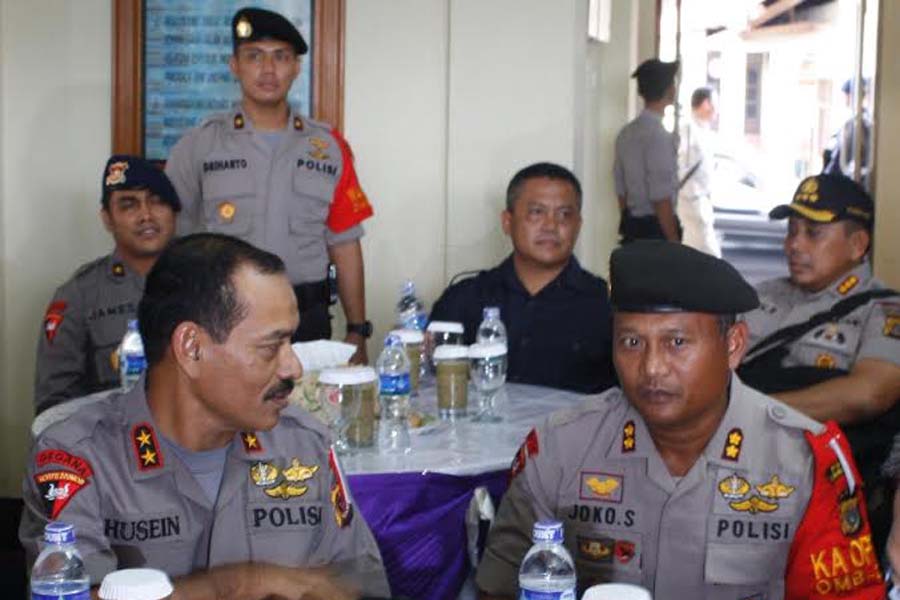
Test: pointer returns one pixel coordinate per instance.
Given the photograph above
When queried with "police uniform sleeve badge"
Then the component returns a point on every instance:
(58, 476)
(350, 206)
(53, 319)
(340, 492)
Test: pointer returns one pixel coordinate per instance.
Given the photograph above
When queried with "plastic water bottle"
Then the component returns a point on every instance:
(491, 329)
(547, 572)
(410, 310)
(132, 361)
(393, 393)
(58, 573)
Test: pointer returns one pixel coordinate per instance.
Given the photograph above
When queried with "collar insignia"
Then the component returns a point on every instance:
(250, 442)
(298, 123)
(239, 121)
(847, 284)
(118, 270)
(146, 449)
(732, 449)
(628, 442)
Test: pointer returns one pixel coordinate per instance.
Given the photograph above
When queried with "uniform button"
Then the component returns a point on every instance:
(779, 412)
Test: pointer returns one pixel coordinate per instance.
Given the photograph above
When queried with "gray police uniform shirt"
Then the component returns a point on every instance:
(231, 180)
(870, 331)
(646, 164)
(721, 531)
(82, 328)
(135, 505)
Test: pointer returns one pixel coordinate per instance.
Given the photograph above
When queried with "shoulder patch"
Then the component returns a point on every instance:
(529, 448)
(53, 318)
(891, 325)
(340, 494)
(59, 476)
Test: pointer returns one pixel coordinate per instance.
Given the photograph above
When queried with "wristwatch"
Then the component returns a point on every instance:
(364, 329)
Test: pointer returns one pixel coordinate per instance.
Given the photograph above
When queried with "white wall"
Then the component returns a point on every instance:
(54, 140)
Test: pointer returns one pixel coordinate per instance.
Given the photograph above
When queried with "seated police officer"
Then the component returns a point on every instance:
(826, 340)
(556, 313)
(685, 481)
(88, 315)
(202, 470)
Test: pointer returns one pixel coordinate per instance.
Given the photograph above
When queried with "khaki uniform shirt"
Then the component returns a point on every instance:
(82, 329)
(870, 331)
(722, 531)
(646, 164)
(230, 180)
(103, 470)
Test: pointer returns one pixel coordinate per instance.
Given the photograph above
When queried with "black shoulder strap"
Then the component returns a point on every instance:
(841, 309)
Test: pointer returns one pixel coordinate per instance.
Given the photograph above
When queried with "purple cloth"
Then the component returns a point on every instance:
(419, 522)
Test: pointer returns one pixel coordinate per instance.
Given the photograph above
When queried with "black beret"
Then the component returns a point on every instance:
(254, 24)
(124, 172)
(828, 198)
(657, 276)
(654, 76)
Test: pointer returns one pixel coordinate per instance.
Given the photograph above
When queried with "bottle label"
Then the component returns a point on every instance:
(563, 595)
(134, 364)
(394, 384)
(82, 595)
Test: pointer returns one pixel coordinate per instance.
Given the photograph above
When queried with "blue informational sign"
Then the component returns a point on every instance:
(187, 45)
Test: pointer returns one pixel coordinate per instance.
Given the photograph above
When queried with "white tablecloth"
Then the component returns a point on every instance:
(463, 447)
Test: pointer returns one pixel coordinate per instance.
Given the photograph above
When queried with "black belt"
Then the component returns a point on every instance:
(312, 294)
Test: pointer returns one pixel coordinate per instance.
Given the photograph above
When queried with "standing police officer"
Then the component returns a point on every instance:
(281, 181)
(88, 315)
(646, 165)
(685, 481)
(201, 469)
(826, 339)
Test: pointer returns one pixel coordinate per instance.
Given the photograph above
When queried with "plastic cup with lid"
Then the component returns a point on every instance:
(136, 584)
(347, 396)
(452, 363)
(616, 591)
(440, 333)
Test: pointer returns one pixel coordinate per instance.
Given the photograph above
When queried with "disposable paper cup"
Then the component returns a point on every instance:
(616, 591)
(136, 584)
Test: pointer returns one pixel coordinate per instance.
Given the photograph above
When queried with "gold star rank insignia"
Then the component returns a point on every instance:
(628, 442)
(146, 448)
(733, 441)
(250, 442)
(298, 124)
(239, 121)
(118, 270)
(847, 284)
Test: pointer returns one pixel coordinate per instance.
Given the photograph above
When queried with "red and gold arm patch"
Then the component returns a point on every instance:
(60, 475)
(340, 495)
(53, 318)
(350, 206)
(529, 448)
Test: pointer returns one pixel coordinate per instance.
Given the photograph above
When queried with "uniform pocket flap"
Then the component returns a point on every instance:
(742, 564)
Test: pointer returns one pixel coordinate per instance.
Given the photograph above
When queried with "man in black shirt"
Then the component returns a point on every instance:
(556, 314)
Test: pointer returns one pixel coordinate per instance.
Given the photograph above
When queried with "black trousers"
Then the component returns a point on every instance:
(641, 228)
(315, 318)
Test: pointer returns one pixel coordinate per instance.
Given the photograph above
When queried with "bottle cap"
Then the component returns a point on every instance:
(409, 336)
(445, 327)
(136, 584)
(57, 532)
(408, 288)
(392, 340)
(450, 352)
(487, 350)
(490, 312)
(347, 376)
(547, 531)
(132, 324)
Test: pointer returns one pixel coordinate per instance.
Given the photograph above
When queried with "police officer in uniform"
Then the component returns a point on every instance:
(892, 472)
(646, 164)
(685, 481)
(202, 470)
(826, 339)
(88, 315)
(279, 180)
(556, 313)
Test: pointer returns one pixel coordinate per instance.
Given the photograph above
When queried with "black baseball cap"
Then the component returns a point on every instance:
(254, 24)
(827, 198)
(125, 172)
(654, 276)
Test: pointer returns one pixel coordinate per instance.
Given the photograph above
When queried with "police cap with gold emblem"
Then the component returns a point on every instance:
(125, 172)
(657, 276)
(654, 77)
(254, 24)
(827, 198)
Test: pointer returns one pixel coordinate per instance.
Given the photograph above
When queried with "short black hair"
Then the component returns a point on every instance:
(538, 170)
(192, 281)
(700, 95)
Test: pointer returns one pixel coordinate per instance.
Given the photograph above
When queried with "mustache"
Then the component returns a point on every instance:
(282, 388)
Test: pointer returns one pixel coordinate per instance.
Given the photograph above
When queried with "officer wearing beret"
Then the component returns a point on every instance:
(277, 179)
(202, 470)
(88, 315)
(826, 339)
(685, 481)
(646, 164)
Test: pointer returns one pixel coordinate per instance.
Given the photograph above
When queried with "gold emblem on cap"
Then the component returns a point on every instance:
(227, 210)
(115, 174)
(808, 192)
(243, 28)
(825, 361)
